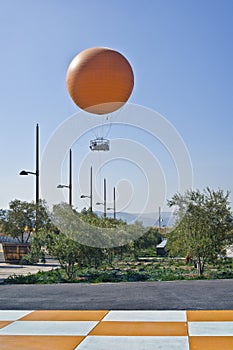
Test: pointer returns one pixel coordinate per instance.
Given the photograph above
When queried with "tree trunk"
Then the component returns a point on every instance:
(200, 266)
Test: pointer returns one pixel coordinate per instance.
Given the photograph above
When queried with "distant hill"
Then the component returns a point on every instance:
(148, 219)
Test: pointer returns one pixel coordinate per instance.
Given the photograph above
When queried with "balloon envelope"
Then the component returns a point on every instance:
(100, 80)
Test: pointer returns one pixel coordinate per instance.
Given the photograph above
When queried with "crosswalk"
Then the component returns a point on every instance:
(116, 330)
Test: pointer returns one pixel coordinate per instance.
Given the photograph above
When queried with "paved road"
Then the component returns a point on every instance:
(177, 295)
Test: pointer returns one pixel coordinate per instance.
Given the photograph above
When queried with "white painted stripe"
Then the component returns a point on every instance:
(48, 328)
(13, 315)
(133, 342)
(146, 316)
(210, 328)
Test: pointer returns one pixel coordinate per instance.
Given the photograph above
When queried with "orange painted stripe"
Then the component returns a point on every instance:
(19, 342)
(211, 343)
(209, 315)
(65, 315)
(140, 328)
(4, 323)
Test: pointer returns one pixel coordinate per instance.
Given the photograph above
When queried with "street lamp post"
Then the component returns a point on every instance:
(91, 194)
(104, 198)
(37, 164)
(104, 203)
(70, 179)
(114, 203)
(36, 173)
(160, 220)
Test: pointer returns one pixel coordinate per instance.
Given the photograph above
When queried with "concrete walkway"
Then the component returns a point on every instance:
(116, 330)
(7, 270)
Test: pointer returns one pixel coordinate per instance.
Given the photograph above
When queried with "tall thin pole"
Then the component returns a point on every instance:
(114, 202)
(37, 174)
(70, 179)
(37, 164)
(91, 194)
(105, 198)
(159, 219)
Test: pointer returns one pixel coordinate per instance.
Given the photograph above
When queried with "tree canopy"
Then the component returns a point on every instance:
(204, 221)
(23, 218)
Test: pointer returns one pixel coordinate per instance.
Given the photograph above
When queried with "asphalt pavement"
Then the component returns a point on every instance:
(175, 295)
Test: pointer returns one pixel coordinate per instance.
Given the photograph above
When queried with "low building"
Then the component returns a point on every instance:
(160, 248)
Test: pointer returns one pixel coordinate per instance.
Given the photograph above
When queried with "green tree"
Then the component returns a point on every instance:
(204, 221)
(23, 218)
(64, 249)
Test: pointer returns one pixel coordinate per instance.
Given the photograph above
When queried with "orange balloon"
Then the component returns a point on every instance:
(100, 80)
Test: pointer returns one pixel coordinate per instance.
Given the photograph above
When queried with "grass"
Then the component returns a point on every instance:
(162, 269)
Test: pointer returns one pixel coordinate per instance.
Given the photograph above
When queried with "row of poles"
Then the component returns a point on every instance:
(37, 174)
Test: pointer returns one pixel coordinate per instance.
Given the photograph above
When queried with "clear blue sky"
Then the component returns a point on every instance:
(181, 52)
